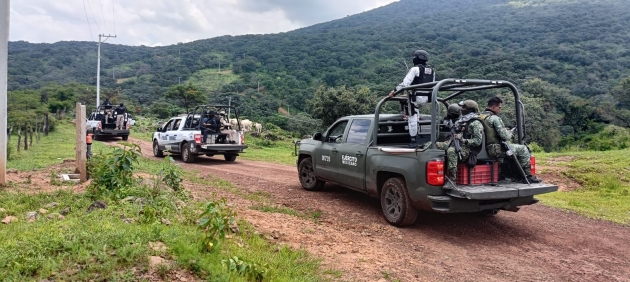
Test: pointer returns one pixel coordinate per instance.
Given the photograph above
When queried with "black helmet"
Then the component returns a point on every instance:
(421, 54)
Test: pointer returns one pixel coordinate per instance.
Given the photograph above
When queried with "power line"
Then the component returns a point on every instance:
(95, 22)
(88, 21)
(114, 16)
(103, 14)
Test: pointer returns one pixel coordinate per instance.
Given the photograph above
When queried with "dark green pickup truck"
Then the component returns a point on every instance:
(369, 153)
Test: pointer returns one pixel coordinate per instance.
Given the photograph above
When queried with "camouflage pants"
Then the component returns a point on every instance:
(521, 152)
(452, 156)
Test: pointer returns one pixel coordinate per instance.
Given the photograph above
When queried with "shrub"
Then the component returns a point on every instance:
(112, 174)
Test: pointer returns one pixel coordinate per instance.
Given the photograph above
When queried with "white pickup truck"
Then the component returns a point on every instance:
(102, 123)
(183, 135)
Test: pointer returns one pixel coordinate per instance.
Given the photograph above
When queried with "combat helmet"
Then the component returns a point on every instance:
(421, 54)
(453, 110)
(470, 104)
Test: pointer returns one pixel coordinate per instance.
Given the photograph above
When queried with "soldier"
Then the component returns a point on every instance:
(120, 116)
(226, 128)
(419, 73)
(208, 125)
(496, 132)
(469, 133)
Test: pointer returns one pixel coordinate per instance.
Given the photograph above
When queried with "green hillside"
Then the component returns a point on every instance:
(564, 54)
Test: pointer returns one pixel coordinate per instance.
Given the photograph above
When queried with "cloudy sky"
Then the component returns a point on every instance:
(165, 22)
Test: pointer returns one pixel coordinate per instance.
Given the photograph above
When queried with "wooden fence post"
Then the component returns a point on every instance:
(25, 137)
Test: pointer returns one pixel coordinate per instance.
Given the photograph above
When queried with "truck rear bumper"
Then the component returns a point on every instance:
(219, 149)
(508, 196)
(113, 132)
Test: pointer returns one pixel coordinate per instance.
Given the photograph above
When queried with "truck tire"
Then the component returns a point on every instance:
(308, 179)
(187, 155)
(156, 150)
(396, 204)
(229, 158)
(125, 137)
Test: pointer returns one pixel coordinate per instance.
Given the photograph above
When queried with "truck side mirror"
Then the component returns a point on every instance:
(318, 136)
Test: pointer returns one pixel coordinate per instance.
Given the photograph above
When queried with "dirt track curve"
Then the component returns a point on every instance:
(538, 243)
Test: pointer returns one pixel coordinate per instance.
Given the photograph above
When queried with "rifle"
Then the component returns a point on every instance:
(510, 153)
(458, 147)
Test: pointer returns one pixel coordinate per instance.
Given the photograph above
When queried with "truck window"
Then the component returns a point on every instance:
(358, 131)
(176, 124)
(167, 126)
(335, 134)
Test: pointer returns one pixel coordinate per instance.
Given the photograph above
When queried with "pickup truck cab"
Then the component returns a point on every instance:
(102, 123)
(183, 135)
(369, 153)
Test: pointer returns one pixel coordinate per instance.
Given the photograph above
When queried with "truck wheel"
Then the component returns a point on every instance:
(156, 150)
(229, 158)
(125, 137)
(187, 155)
(308, 179)
(396, 204)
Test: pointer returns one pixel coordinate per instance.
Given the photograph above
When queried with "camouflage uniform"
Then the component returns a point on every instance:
(474, 132)
(494, 123)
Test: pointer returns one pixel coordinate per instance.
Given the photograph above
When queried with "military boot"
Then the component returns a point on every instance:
(530, 177)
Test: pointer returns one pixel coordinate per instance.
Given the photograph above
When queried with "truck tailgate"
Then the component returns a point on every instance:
(500, 191)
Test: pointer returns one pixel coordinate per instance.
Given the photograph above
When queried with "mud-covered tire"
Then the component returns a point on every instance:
(125, 137)
(187, 155)
(156, 150)
(229, 158)
(307, 176)
(396, 204)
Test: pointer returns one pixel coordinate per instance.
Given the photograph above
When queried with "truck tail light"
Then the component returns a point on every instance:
(128, 126)
(99, 127)
(532, 160)
(197, 138)
(243, 139)
(435, 173)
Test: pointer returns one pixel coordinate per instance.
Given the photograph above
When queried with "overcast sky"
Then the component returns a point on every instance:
(165, 22)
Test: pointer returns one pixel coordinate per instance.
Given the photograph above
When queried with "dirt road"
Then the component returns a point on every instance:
(538, 243)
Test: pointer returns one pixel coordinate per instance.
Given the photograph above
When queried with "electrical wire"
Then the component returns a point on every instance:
(88, 20)
(95, 22)
(103, 14)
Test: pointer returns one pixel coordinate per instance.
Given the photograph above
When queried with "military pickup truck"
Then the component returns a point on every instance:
(102, 123)
(369, 153)
(183, 135)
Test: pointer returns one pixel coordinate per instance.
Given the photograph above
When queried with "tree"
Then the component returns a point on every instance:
(329, 104)
(187, 95)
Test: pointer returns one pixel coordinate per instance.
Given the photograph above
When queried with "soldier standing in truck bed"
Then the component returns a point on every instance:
(120, 116)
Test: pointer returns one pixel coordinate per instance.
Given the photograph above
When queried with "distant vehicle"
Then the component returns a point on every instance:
(102, 123)
(369, 153)
(183, 135)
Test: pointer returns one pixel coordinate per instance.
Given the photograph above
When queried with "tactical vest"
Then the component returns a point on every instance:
(463, 128)
(492, 137)
(426, 74)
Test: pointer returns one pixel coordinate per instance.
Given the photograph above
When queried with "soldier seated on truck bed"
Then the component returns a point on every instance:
(208, 125)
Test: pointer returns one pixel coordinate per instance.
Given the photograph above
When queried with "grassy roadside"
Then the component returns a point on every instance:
(279, 152)
(605, 181)
(66, 242)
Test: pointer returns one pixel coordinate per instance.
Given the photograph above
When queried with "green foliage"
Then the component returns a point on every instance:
(112, 173)
(329, 104)
(599, 139)
(215, 221)
(186, 95)
(250, 270)
(535, 148)
(171, 173)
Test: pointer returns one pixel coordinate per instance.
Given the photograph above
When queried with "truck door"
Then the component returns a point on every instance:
(174, 135)
(163, 135)
(327, 159)
(352, 154)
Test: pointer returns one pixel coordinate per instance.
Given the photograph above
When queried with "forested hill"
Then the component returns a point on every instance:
(578, 49)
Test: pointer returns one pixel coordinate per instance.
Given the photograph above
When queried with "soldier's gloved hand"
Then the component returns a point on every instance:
(391, 94)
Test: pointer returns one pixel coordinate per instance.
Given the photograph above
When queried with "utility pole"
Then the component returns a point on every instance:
(98, 68)
(258, 88)
(4, 57)
(229, 107)
(179, 80)
(113, 74)
(219, 67)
